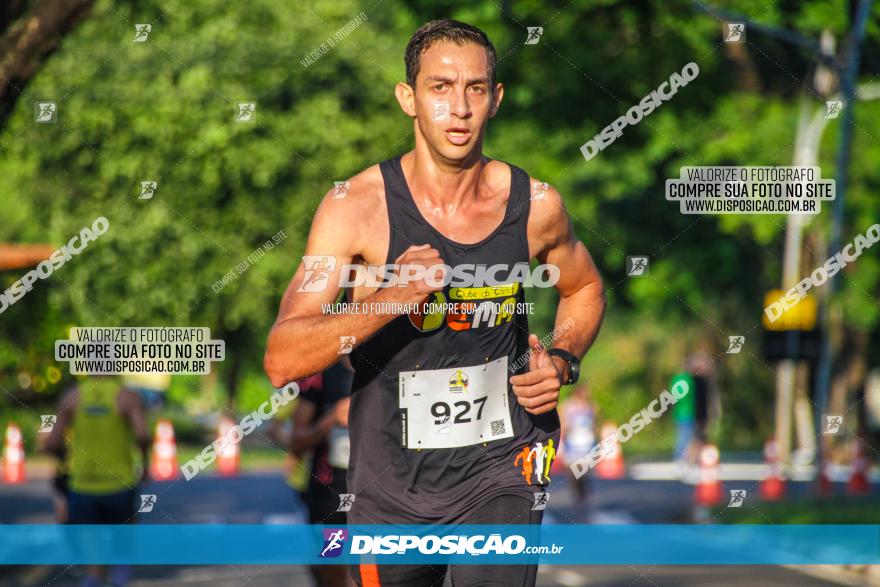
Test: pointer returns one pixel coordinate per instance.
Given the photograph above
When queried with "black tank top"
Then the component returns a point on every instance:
(394, 484)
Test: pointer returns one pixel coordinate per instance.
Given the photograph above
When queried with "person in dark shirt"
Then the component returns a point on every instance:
(449, 393)
(320, 425)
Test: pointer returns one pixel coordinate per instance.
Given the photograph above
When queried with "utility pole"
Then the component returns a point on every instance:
(807, 142)
(852, 50)
(811, 125)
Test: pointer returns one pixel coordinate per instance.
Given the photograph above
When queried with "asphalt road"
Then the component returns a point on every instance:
(256, 498)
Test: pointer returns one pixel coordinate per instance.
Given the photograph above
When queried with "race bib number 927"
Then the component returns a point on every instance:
(456, 407)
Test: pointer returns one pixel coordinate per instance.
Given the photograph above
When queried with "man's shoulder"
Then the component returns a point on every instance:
(357, 203)
(350, 211)
(364, 189)
(539, 189)
(547, 207)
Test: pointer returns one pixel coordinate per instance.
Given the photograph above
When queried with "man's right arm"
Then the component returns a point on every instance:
(303, 340)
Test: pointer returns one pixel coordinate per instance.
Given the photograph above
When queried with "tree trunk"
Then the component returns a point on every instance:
(29, 33)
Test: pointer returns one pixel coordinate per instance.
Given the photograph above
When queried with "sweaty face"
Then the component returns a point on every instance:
(453, 98)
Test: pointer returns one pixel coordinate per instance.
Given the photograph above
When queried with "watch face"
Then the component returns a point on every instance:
(574, 366)
(574, 371)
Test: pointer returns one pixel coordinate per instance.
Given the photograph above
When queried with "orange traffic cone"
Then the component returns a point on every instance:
(773, 485)
(858, 481)
(611, 467)
(13, 455)
(163, 462)
(709, 486)
(227, 458)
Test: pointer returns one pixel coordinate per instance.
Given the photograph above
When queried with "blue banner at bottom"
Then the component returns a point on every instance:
(654, 544)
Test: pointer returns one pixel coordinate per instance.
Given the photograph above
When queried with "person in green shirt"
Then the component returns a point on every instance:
(684, 414)
(99, 428)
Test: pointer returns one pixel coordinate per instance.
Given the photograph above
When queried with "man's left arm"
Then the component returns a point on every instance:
(581, 306)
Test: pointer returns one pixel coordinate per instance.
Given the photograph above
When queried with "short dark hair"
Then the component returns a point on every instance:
(445, 30)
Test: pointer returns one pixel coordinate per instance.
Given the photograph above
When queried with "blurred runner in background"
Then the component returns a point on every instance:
(100, 425)
(150, 386)
(320, 424)
(296, 468)
(683, 411)
(578, 419)
(61, 477)
(697, 411)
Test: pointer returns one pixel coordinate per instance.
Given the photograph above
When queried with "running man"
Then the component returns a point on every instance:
(443, 203)
(100, 426)
(578, 417)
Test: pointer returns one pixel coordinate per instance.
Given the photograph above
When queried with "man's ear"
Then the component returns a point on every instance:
(497, 96)
(406, 98)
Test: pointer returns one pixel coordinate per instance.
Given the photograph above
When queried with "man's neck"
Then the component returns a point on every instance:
(442, 184)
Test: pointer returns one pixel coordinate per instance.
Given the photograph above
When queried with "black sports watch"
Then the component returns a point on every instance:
(574, 364)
